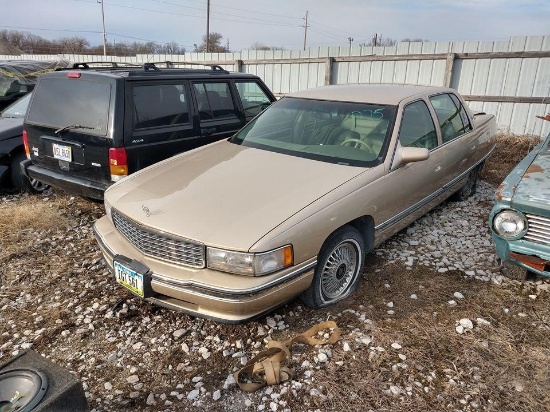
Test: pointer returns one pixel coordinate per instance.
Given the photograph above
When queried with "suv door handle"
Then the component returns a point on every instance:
(208, 131)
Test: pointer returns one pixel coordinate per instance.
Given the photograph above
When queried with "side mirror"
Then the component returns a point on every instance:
(406, 155)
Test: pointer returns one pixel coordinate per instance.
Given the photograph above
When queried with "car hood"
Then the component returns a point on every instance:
(225, 195)
(531, 192)
(10, 127)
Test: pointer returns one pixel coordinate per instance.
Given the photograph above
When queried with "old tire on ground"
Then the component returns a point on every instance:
(469, 188)
(19, 181)
(339, 268)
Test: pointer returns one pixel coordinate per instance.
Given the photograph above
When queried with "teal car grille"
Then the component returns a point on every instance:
(538, 230)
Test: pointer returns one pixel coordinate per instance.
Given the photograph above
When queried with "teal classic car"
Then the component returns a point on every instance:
(520, 218)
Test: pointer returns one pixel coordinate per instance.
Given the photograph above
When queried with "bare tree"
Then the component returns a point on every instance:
(171, 48)
(260, 46)
(214, 44)
(74, 44)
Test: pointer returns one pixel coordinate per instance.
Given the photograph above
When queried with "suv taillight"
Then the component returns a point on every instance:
(118, 163)
(26, 144)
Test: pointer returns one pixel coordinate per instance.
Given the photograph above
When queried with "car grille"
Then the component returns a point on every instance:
(158, 244)
(539, 229)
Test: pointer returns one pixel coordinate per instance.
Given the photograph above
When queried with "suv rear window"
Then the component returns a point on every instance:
(63, 102)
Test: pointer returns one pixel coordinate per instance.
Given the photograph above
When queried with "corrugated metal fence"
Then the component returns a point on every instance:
(508, 78)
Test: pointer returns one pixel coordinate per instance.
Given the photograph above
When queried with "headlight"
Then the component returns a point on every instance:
(250, 264)
(509, 223)
(108, 210)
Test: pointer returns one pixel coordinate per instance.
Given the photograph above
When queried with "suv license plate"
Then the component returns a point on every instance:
(62, 152)
(129, 278)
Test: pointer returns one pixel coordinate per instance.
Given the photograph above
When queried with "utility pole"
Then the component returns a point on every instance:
(207, 26)
(104, 35)
(350, 40)
(375, 38)
(305, 31)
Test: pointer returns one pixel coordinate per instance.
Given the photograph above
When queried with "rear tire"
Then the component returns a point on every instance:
(19, 181)
(469, 188)
(339, 268)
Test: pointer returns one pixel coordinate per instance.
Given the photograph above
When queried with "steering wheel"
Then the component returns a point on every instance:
(357, 142)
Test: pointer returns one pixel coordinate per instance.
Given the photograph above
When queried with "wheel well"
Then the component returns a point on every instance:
(365, 226)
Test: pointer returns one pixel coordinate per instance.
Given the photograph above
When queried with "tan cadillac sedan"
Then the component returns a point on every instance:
(291, 204)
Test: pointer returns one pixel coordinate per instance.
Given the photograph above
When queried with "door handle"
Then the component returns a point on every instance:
(208, 131)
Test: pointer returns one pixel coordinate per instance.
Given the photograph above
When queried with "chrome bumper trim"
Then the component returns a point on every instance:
(208, 290)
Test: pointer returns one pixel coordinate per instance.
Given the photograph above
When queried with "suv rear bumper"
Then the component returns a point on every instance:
(81, 187)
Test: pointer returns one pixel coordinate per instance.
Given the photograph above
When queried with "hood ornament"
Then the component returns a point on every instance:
(146, 210)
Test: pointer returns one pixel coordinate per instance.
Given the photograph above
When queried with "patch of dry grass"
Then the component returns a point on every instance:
(510, 150)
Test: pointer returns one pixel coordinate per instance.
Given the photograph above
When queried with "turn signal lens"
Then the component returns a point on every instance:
(118, 163)
(26, 144)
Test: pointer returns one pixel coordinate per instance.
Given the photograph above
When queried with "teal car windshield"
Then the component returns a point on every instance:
(355, 134)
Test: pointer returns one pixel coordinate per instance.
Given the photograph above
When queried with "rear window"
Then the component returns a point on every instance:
(59, 102)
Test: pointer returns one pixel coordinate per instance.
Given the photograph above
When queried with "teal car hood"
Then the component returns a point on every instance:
(527, 186)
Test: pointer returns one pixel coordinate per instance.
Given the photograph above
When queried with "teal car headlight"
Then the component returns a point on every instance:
(509, 223)
(250, 264)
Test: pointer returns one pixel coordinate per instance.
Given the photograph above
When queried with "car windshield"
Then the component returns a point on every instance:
(354, 134)
(19, 108)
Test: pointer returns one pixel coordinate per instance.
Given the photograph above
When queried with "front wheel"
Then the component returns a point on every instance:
(338, 269)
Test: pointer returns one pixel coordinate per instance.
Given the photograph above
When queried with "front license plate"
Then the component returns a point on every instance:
(62, 152)
(129, 278)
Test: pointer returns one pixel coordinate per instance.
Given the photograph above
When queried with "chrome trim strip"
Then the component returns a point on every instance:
(182, 284)
(427, 199)
(102, 243)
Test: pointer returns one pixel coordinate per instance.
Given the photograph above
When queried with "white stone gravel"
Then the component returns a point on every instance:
(454, 236)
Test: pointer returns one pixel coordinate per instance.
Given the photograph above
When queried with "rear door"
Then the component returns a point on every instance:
(158, 121)
(68, 124)
(217, 108)
(459, 138)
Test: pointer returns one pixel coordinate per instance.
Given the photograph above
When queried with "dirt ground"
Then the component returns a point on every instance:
(57, 298)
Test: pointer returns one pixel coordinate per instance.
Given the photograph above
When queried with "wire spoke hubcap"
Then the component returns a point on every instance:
(340, 270)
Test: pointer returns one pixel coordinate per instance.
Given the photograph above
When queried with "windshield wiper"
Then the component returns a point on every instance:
(72, 126)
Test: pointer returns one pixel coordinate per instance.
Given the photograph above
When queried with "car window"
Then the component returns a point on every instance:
(160, 105)
(253, 98)
(451, 115)
(214, 101)
(417, 127)
(59, 102)
(337, 132)
(19, 108)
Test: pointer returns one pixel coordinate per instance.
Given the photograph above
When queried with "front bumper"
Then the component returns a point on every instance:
(71, 184)
(532, 256)
(208, 293)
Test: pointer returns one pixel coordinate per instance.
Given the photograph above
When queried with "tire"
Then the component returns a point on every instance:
(469, 188)
(339, 268)
(19, 181)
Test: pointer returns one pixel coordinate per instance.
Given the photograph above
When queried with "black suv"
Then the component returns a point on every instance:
(87, 127)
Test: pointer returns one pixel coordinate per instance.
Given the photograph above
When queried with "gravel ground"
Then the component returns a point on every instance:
(434, 325)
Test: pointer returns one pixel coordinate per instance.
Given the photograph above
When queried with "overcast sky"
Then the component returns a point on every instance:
(278, 22)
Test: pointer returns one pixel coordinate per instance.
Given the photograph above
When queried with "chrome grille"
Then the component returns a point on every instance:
(158, 244)
(539, 229)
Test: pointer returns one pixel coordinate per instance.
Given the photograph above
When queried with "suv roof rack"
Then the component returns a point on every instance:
(151, 66)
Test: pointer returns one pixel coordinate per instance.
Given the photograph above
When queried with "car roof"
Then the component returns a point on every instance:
(391, 94)
(150, 70)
